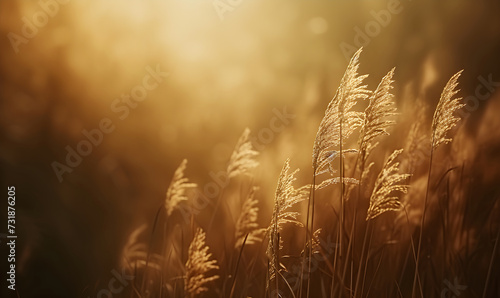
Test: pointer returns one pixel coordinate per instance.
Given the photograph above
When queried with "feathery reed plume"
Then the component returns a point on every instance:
(339, 121)
(242, 158)
(443, 119)
(176, 192)
(388, 181)
(336, 126)
(134, 254)
(286, 197)
(247, 221)
(198, 265)
(375, 121)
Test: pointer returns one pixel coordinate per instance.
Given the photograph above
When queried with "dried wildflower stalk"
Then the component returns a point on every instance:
(243, 157)
(336, 126)
(388, 181)
(339, 121)
(198, 265)
(442, 122)
(241, 162)
(247, 221)
(443, 119)
(176, 192)
(375, 122)
(286, 197)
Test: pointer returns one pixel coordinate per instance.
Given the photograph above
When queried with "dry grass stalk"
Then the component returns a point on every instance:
(375, 123)
(339, 121)
(247, 221)
(198, 265)
(337, 125)
(243, 157)
(176, 192)
(286, 197)
(241, 162)
(443, 119)
(388, 181)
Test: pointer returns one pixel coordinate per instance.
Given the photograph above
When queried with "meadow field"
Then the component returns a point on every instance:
(237, 148)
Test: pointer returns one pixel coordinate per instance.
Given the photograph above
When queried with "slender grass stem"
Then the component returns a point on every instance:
(490, 267)
(237, 266)
(360, 267)
(422, 221)
(150, 246)
(310, 236)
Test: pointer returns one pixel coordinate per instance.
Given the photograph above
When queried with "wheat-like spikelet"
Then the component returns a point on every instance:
(176, 192)
(330, 133)
(247, 221)
(443, 119)
(134, 254)
(388, 181)
(375, 121)
(198, 265)
(286, 197)
(243, 157)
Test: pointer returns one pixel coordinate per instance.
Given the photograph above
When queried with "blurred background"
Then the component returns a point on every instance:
(221, 66)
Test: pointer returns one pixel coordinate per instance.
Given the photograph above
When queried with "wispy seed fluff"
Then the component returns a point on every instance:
(176, 192)
(286, 197)
(247, 221)
(443, 119)
(330, 132)
(375, 122)
(388, 181)
(198, 265)
(243, 157)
